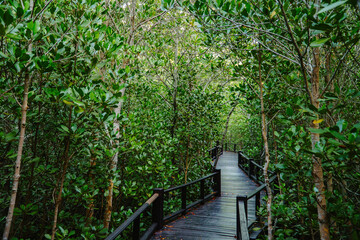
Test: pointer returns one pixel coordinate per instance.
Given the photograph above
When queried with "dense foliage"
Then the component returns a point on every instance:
(104, 80)
(298, 62)
(102, 101)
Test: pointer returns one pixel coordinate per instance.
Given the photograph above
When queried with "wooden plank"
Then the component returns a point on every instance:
(243, 222)
(215, 219)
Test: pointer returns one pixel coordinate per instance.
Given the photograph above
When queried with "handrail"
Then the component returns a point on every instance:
(216, 151)
(227, 146)
(242, 228)
(189, 183)
(157, 202)
(133, 217)
(202, 198)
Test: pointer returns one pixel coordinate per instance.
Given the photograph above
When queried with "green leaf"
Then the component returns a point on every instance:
(8, 18)
(78, 103)
(19, 12)
(13, 36)
(322, 27)
(331, 6)
(3, 55)
(17, 66)
(341, 124)
(289, 111)
(338, 135)
(2, 30)
(66, 129)
(47, 236)
(319, 42)
(320, 131)
(68, 103)
(36, 27)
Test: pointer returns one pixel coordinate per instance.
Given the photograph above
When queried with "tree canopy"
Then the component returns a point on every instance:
(102, 101)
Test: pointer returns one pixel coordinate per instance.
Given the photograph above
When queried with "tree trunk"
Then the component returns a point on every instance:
(267, 155)
(62, 179)
(276, 157)
(16, 178)
(117, 110)
(315, 139)
(90, 208)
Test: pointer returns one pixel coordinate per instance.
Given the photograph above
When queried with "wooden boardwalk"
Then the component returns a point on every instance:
(215, 219)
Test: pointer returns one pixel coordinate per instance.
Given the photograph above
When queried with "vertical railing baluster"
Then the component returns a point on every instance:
(238, 229)
(202, 190)
(257, 204)
(158, 208)
(136, 228)
(217, 179)
(255, 172)
(183, 199)
(249, 167)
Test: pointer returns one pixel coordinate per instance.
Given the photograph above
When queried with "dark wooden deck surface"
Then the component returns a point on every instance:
(215, 219)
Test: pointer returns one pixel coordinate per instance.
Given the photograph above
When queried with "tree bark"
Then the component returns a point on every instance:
(116, 126)
(317, 170)
(16, 177)
(267, 155)
(63, 174)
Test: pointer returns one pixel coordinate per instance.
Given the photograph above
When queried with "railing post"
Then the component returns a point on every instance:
(218, 182)
(183, 199)
(226, 147)
(234, 147)
(239, 158)
(202, 191)
(158, 208)
(238, 228)
(249, 167)
(136, 228)
(257, 204)
(255, 172)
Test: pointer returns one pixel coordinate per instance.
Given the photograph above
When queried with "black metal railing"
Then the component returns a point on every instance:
(255, 172)
(185, 205)
(232, 147)
(242, 220)
(252, 168)
(157, 202)
(215, 152)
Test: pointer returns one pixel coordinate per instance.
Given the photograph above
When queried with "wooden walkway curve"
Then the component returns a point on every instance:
(215, 219)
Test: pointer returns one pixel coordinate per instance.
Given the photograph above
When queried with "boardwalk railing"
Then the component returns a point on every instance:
(216, 151)
(254, 171)
(157, 202)
(242, 227)
(232, 147)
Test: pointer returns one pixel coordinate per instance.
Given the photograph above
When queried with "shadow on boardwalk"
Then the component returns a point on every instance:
(215, 219)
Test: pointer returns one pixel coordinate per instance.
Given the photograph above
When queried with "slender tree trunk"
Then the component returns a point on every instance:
(62, 178)
(267, 155)
(315, 139)
(16, 177)
(90, 208)
(117, 110)
(174, 95)
(276, 157)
